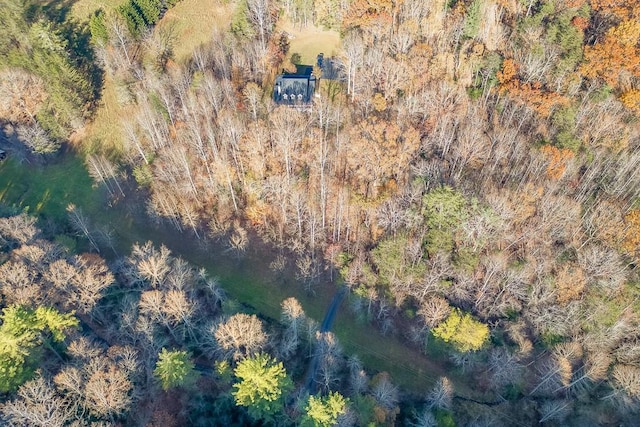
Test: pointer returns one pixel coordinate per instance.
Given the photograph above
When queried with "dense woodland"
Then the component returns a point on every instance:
(472, 178)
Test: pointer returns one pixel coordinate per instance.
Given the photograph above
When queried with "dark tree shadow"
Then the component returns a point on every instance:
(78, 38)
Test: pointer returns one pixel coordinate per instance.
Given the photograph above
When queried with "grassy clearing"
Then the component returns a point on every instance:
(192, 22)
(104, 133)
(310, 41)
(250, 281)
(82, 9)
(46, 191)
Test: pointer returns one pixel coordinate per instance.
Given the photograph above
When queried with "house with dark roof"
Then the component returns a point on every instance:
(295, 88)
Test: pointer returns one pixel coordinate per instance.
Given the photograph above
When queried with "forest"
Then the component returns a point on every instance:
(469, 180)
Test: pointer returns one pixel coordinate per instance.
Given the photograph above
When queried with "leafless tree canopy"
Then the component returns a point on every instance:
(241, 335)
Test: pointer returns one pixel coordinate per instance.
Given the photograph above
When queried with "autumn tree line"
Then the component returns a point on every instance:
(472, 177)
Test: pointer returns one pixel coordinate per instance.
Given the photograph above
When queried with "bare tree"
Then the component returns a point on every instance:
(240, 336)
(425, 418)
(385, 393)
(603, 267)
(150, 264)
(18, 284)
(330, 360)
(260, 15)
(556, 410)
(79, 284)
(37, 139)
(505, 368)
(18, 229)
(554, 373)
(441, 395)
(252, 94)
(358, 379)
(37, 404)
(294, 318)
(434, 311)
(85, 348)
(626, 386)
(21, 95)
(107, 389)
(82, 225)
(180, 311)
(239, 239)
(105, 172)
(308, 271)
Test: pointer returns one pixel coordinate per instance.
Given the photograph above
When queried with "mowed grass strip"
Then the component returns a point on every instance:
(249, 280)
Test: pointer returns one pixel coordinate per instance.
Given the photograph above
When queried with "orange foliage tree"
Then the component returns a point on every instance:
(616, 55)
(371, 16)
(533, 94)
(616, 8)
(631, 242)
(570, 283)
(631, 100)
(557, 159)
(378, 150)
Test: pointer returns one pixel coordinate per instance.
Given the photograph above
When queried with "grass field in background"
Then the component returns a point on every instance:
(82, 9)
(191, 22)
(310, 41)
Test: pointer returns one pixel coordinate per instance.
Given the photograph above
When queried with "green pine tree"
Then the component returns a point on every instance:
(263, 384)
(324, 411)
(22, 334)
(463, 331)
(174, 369)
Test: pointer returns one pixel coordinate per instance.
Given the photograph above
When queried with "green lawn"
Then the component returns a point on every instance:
(82, 9)
(310, 41)
(250, 281)
(191, 23)
(46, 191)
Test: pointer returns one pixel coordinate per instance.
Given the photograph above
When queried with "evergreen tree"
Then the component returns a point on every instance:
(22, 333)
(174, 369)
(324, 411)
(464, 332)
(262, 387)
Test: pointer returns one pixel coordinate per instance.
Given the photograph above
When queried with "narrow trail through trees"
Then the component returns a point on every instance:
(327, 322)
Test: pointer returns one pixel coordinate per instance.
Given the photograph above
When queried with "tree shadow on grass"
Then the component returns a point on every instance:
(78, 39)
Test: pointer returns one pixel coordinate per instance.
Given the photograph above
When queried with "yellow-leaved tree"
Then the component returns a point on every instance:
(462, 331)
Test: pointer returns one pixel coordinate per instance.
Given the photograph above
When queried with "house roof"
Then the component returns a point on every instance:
(295, 88)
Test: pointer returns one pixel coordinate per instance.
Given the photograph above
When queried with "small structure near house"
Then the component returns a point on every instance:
(3, 155)
(295, 88)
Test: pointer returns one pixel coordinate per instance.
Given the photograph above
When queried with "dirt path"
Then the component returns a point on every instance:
(332, 310)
